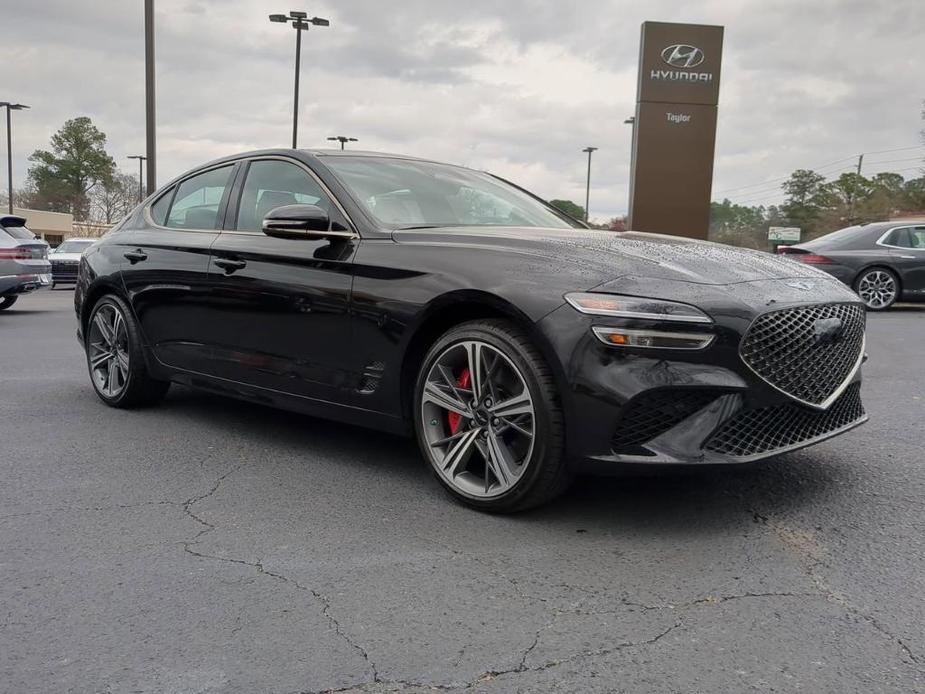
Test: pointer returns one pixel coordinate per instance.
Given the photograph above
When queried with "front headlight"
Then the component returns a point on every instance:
(636, 307)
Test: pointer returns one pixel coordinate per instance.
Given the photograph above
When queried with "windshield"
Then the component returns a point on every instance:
(73, 246)
(405, 194)
(19, 232)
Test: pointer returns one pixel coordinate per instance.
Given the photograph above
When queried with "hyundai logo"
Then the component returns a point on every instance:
(682, 55)
(828, 331)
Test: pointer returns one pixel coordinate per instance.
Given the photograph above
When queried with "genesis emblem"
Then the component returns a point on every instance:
(683, 56)
(802, 285)
(828, 331)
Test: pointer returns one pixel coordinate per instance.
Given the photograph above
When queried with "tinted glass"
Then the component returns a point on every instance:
(907, 237)
(196, 203)
(271, 184)
(407, 194)
(159, 208)
(21, 233)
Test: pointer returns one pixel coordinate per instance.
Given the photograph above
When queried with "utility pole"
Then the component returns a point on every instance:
(300, 22)
(150, 136)
(141, 160)
(860, 161)
(343, 140)
(9, 148)
(589, 150)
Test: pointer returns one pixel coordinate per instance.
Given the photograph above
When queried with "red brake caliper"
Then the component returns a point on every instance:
(454, 418)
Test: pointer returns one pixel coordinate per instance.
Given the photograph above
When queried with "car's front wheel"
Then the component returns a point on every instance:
(115, 357)
(878, 288)
(7, 301)
(488, 418)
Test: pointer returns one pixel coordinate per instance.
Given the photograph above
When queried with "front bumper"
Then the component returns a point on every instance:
(64, 272)
(626, 405)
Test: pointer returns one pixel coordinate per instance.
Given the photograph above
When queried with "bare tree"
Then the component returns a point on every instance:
(113, 200)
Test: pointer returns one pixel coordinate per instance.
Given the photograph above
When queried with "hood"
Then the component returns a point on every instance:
(611, 255)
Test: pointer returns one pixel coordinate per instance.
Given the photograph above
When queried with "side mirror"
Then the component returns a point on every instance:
(301, 222)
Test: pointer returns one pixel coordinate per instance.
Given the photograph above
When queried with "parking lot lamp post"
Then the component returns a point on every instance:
(141, 160)
(343, 140)
(9, 147)
(588, 185)
(300, 23)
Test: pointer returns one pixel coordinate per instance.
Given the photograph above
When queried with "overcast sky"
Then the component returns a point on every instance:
(513, 86)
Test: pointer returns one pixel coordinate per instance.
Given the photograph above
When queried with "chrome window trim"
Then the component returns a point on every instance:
(881, 242)
(247, 160)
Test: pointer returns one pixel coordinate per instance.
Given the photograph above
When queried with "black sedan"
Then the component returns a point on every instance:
(516, 344)
(883, 262)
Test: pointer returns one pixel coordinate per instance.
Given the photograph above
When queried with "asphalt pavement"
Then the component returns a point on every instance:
(207, 545)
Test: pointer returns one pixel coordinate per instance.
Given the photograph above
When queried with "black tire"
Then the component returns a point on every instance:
(869, 274)
(139, 388)
(547, 472)
(7, 301)
(52, 285)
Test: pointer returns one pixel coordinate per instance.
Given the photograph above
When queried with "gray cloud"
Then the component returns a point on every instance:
(518, 87)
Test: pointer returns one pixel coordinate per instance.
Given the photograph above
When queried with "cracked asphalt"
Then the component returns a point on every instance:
(211, 546)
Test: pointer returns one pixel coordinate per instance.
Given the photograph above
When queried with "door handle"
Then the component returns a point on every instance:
(135, 256)
(229, 265)
(907, 257)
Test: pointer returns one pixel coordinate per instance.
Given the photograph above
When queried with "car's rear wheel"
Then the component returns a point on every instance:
(7, 301)
(878, 288)
(488, 418)
(115, 357)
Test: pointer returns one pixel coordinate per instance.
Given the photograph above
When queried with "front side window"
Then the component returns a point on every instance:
(272, 183)
(159, 208)
(197, 200)
(404, 193)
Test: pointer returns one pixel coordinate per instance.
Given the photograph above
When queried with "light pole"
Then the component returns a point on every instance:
(300, 22)
(343, 140)
(9, 147)
(588, 186)
(150, 134)
(141, 159)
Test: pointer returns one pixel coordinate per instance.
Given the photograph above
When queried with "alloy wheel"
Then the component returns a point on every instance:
(877, 289)
(107, 350)
(478, 419)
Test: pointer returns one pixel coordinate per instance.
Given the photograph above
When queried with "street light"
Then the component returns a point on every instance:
(141, 159)
(9, 146)
(588, 186)
(343, 140)
(300, 22)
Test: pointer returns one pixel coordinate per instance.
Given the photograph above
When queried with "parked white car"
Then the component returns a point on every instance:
(65, 259)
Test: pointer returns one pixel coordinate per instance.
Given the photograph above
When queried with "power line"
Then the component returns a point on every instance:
(816, 168)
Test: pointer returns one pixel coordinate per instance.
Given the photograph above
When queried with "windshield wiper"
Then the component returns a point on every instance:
(420, 226)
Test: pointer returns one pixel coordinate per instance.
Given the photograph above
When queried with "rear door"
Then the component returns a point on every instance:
(907, 251)
(280, 318)
(166, 265)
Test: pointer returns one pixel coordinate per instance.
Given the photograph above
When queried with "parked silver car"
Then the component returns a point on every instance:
(24, 265)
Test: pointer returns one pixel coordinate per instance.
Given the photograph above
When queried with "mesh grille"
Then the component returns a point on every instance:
(768, 429)
(807, 352)
(654, 413)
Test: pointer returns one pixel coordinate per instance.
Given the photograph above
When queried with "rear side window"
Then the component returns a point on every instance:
(197, 200)
(159, 208)
(907, 237)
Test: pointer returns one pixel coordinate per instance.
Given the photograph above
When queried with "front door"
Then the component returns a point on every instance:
(166, 263)
(279, 318)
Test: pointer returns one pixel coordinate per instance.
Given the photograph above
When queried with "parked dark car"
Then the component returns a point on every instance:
(24, 265)
(515, 343)
(883, 262)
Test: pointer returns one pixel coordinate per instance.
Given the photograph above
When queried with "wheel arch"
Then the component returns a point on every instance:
(453, 309)
(96, 292)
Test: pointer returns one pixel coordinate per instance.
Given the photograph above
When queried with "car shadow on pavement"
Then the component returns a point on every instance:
(657, 499)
